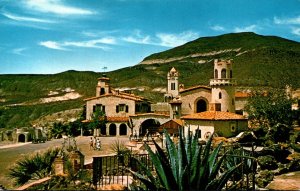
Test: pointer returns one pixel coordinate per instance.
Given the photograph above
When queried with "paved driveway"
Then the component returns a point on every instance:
(9, 154)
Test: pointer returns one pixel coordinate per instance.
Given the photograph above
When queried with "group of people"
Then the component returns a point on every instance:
(95, 143)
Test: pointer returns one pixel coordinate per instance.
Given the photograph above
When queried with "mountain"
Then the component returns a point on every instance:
(258, 61)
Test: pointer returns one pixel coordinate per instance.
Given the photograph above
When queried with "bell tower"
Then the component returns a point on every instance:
(102, 87)
(223, 87)
(173, 87)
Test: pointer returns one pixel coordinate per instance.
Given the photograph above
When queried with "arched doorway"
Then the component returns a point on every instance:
(103, 130)
(201, 106)
(123, 129)
(21, 138)
(223, 73)
(113, 129)
(151, 125)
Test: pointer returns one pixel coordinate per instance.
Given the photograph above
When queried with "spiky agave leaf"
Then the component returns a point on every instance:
(144, 169)
(159, 168)
(204, 167)
(195, 167)
(213, 158)
(219, 183)
(149, 184)
(166, 166)
(173, 156)
(183, 163)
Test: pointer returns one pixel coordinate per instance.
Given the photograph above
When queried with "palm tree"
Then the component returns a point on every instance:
(187, 166)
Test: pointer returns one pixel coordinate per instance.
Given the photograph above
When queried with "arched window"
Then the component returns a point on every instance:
(201, 106)
(230, 73)
(123, 129)
(223, 73)
(233, 129)
(113, 129)
(216, 73)
(172, 86)
(102, 91)
(220, 95)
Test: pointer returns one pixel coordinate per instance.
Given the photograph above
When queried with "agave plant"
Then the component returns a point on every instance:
(236, 156)
(187, 166)
(33, 168)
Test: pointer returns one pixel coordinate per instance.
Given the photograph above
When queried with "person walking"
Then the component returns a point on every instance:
(98, 144)
(91, 143)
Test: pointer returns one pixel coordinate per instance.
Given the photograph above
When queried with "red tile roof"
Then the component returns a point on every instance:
(117, 119)
(214, 115)
(129, 96)
(178, 121)
(150, 114)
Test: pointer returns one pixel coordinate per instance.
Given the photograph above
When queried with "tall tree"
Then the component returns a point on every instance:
(98, 121)
(271, 111)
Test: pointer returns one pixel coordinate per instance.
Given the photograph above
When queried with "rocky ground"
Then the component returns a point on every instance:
(289, 181)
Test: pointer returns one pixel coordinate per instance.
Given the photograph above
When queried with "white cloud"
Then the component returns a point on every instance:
(52, 45)
(97, 43)
(251, 28)
(19, 51)
(55, 7)
(280, 21)
(173, 40)
(217, 28)
(94, 34)
(161, 39)
(26, 19)
(296, 31)
(138, 38)
(91, 43)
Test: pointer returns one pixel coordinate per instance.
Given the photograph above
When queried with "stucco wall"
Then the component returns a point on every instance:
(110, 103)
(227, 97)
(222, 128)
(204, 126)
(230, 128)
(189, 99)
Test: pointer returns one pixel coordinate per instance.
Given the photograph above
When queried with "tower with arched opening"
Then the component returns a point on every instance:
(102, 87)
(173, 86)
(223, 87)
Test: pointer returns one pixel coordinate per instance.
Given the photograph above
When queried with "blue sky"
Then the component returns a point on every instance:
(52, 36)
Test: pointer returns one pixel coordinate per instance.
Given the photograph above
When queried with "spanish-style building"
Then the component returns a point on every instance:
(117, 106)
(211, 109)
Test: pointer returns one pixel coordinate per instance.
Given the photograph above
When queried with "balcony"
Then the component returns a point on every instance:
(223, 81)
